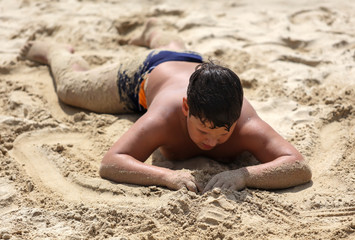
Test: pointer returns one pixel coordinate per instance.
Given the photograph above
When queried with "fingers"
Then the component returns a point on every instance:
(185, 179)
(213, 183)
(224, 180)
(191, 186)
(210, 184)
(197, 184)
(227, 186)
(199, 187)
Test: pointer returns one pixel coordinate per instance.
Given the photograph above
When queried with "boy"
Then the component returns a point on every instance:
(191, 108)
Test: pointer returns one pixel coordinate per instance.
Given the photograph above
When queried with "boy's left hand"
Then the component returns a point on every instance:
(232, 180)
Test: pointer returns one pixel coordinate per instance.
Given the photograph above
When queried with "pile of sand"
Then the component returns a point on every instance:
(297, 65)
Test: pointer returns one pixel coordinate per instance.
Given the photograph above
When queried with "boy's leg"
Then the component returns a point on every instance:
(155, 38)
(95, 89)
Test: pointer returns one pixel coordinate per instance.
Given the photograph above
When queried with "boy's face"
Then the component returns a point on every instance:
(205, 137)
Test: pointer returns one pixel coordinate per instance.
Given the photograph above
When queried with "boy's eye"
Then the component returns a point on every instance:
(202, 132)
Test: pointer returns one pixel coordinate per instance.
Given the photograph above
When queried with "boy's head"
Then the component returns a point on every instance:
(215, 95)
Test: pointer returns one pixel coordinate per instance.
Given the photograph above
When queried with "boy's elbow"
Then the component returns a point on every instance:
(104, 167)
(304, 171)
(103, 170)
(111, 167)
(308, 173)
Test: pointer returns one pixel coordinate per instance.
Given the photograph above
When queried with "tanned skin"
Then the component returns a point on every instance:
(169, 126)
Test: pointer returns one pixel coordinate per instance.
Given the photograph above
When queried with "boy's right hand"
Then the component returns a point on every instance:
(179, 178)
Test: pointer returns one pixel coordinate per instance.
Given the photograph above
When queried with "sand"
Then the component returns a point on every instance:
(296, 61)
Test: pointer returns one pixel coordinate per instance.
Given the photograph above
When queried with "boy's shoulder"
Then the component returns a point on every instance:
(163, 118)
(249, 125)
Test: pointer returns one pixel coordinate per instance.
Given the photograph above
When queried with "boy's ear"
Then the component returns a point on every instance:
(185, 107)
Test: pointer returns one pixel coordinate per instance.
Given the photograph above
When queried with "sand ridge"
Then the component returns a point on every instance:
(296, 62)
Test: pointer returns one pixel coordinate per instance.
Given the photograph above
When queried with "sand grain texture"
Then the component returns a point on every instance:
(296, 61)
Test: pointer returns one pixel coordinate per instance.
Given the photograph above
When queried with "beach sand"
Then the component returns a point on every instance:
(296, 60)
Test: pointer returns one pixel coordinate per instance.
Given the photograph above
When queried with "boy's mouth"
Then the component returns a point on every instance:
(206, 147)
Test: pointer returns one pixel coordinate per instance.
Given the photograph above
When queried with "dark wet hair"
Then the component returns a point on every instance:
(215, 95)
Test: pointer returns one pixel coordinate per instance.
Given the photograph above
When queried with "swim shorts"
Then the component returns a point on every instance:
(130, 80)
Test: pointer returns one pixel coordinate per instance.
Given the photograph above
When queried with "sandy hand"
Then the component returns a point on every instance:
(232, 180)
(180, 178)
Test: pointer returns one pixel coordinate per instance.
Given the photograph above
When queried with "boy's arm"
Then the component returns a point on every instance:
(281, 165)
(124, 161)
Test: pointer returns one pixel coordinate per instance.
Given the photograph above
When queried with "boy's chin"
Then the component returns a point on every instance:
(205, 147)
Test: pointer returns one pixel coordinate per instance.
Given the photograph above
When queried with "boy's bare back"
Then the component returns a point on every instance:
(165, 126)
